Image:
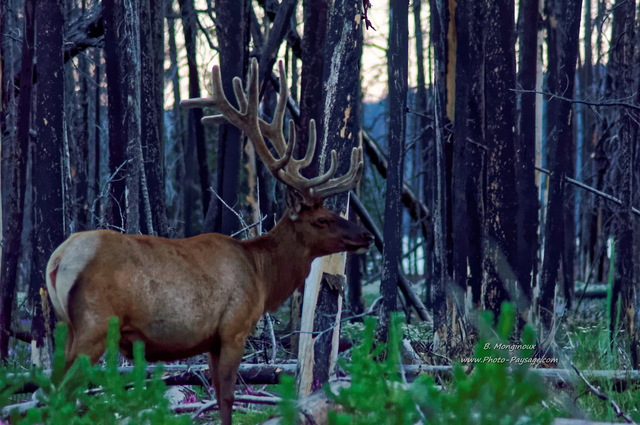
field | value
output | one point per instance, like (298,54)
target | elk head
(325,231)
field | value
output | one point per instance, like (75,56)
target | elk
(204,294)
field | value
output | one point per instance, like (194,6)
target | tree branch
(602,396)
(581,102)
(593,190)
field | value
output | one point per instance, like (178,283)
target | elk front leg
(224,367)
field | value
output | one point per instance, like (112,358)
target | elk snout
(361,242)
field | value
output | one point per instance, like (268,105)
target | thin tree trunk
(97,206)
(315,24)
(14,162)
(179,204)
(340,132)
(425,135)
(152,110)
(587,173)
(392,231)
(469,154)
(442,27)
(527,215)
(48,206)
(562,39)
(232,26)
(311,108)
(500,239)
(626,291)
(117,138)
(195,135)
(79,103)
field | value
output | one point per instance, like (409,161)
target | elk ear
(294,203)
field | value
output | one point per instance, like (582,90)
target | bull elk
(183,297)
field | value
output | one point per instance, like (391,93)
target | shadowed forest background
(501,148)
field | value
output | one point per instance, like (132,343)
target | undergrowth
(487,393)
(494,393)
(92,394)
(592,347)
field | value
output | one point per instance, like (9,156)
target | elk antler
(286,169)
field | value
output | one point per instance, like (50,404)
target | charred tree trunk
(14,161)
(527,192)
(340,132)
(397,55)
(178,203)
(587,173)
(152,111)
(421,122)
(232,26)
(122,45)
(500,239)
(468,153)
(424,129)
(442,31)
(311,107)
(626,292)
(117,138)
(48,206)
(130,69)
(80,94)
(315,24)
(195,151)
(563,20)
(98,150)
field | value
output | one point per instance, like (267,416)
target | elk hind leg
(214,368)
(86,340)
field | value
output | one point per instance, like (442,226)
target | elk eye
(322,221)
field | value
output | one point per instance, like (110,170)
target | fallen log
(314,409)
(266,374)
(253,374)
(563,421)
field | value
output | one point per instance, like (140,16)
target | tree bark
(626,291)
(397,56)
(340,132)
(469,152)
(500,238)
(311,84)
(195,151)
(130,69)
(311,107)
(152,110)
(442,30)
(424,108)
(14,163)
(563,25)
(47,178)
(232,26)
(117,138)
(588,224)
(178,203)
(527,215)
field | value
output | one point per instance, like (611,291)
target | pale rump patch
(64,266)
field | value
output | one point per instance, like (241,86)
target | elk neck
(282,259)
